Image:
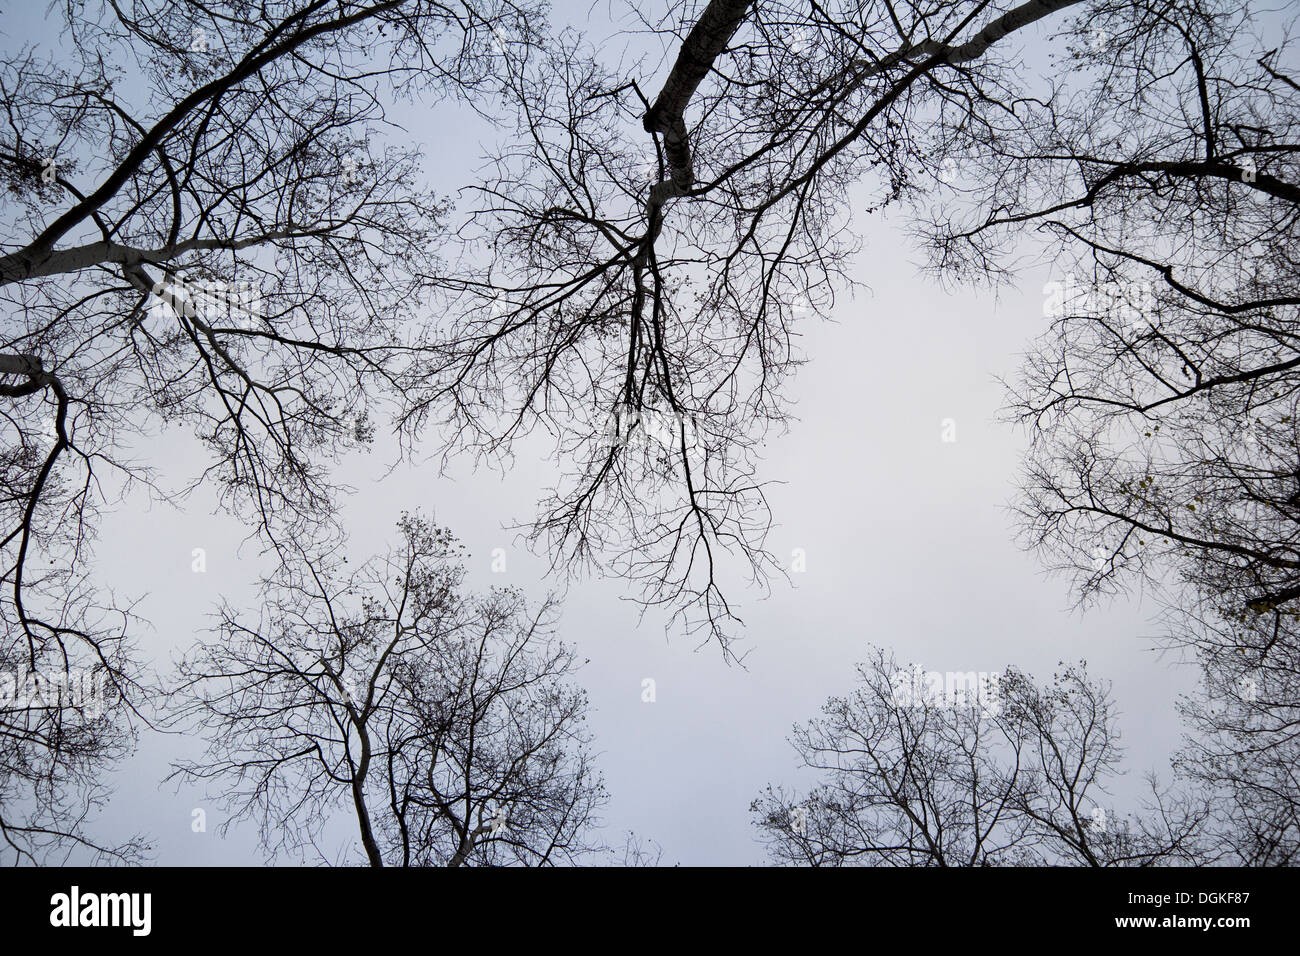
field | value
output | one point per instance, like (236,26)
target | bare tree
(61,723)
(650,256)
(996,772)
(638,851)
(1243,740)
(443,723)
(1161,406)
(1161,403)
(201,224)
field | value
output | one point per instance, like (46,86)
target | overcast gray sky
(908,540)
